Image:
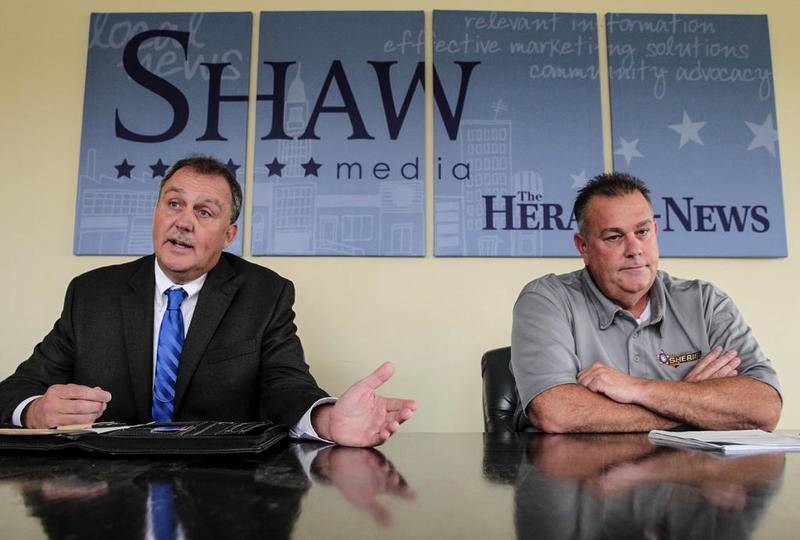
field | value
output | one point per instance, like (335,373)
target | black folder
(158,438)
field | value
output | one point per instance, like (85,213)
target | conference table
(417,485)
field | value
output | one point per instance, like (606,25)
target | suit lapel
(212,304)
(137,314)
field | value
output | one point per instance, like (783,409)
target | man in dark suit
(241,359)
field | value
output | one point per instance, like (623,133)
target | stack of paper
(728,442)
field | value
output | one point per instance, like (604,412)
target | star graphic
(231,166)
(689,131)
(628,150)
(159,168)
(124,168)
(764,135)
(578,180)
(275,168)
(311,167)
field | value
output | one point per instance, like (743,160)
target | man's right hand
(715,365)
(66,404)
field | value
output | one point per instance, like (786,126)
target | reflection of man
(240,499)
(190,333)
(620,486)
(621,346)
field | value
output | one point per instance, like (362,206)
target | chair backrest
(500,398)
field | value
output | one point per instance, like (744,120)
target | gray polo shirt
(563,324)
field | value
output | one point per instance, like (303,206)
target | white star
(690,131)
(764,135)
(578,180)
(628,150)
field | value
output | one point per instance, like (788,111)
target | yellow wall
(432,317)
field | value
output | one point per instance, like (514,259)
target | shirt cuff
(306,454)
(16,418)
(303,428)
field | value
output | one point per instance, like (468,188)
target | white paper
(729,442)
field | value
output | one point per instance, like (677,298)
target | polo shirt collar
(658,299)
(606,309)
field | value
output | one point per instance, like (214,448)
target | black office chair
(500,398)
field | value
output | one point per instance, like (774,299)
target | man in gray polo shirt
(622,346)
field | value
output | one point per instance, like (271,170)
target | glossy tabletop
(418,485)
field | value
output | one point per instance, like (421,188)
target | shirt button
(636,358)
(635,335)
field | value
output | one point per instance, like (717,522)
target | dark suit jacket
(241,360)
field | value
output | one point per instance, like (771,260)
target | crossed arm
(712,396)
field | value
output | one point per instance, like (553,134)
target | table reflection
(621,486)
(80,497)
(467,485)
(362,475)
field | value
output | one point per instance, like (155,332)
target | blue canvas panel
(517,130)
(693,114)
(159,87)
(340,135)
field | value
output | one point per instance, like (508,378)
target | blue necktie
(162,510)
(170,344)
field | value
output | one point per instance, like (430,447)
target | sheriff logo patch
(676,360)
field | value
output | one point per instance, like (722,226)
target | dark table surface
(418,485)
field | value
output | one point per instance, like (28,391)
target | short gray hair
(613,184)
(213,167)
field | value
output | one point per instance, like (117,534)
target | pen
(89,426)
